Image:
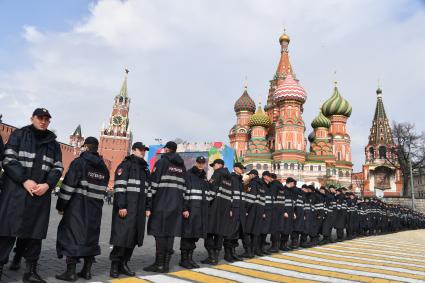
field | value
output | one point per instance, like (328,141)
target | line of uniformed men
(178,203)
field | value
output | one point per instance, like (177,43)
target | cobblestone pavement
(396,257)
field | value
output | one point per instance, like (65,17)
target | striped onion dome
(245,103)
(321,121)
(259,119)
(336,105)
(290,90)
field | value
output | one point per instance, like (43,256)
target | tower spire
(284,67)
(123,91)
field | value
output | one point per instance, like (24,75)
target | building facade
(274,138)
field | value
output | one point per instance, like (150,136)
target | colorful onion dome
(321,121)
(290,89)
(336,105)
(245,103)
(312,137)
(284,38)
(259,119)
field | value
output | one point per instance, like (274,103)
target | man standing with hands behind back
(32,168)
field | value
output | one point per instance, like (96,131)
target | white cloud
(188,60)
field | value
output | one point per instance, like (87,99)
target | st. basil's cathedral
(274,138)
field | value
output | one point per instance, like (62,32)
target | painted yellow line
(383,250)
(129,280)
(352,253)
(351,267)
(199,277)
(370,261)
(319,272)
(262,275)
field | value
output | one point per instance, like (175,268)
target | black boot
(192,262)
(124,269)
(324,241)
(184,261)
(215,255)
(158,265)
(167,259)
(31,275)
(209,258)
(69,275)
(274,248)
(234,255)
(114,271)
(16,262)
(257,250)
(86,270)
(228,254)
(264,249)
(295,244)
(1,270)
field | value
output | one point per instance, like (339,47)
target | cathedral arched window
(311,168)
(382,152)
(258,166)
(320,167)
(292,166)
(265,167)
(278,166)
(334,172)
(285,166)
(340,173)
(339,155)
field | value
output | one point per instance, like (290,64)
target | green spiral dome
(321,121)
(259,119)
(336,105)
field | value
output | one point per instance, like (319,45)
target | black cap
(201,160)
(273,175)
(91,140)
(140,146)
(266,173)
(40,112)
(253,171)
(239,165)
(290,180)
(171,145)
(311,187)
(217,161)
(304,186)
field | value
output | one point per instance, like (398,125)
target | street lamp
(411,183)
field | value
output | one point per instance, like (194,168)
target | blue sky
(69,56)
(46,15)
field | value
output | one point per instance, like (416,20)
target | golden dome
(284,37)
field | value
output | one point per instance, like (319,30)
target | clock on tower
(115,137)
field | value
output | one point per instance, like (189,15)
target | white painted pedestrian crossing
(378,259)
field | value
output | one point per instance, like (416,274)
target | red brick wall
(113,150)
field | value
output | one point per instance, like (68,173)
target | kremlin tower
(274,139)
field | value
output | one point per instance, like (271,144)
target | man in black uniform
(32,167)
(220,213)
(166,206)
(80,202)
(131,189)
(196,225)
(289,214)
(278,212)
(341,211)
(238,213)
(268,212)
(255,201)
(330,209)
(298,197)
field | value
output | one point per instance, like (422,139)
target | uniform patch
(119,171)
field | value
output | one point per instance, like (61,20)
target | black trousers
(213,242)
(121,254)
(164,244)
(251,241)
(340,233)
(29,249)
(188,244)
